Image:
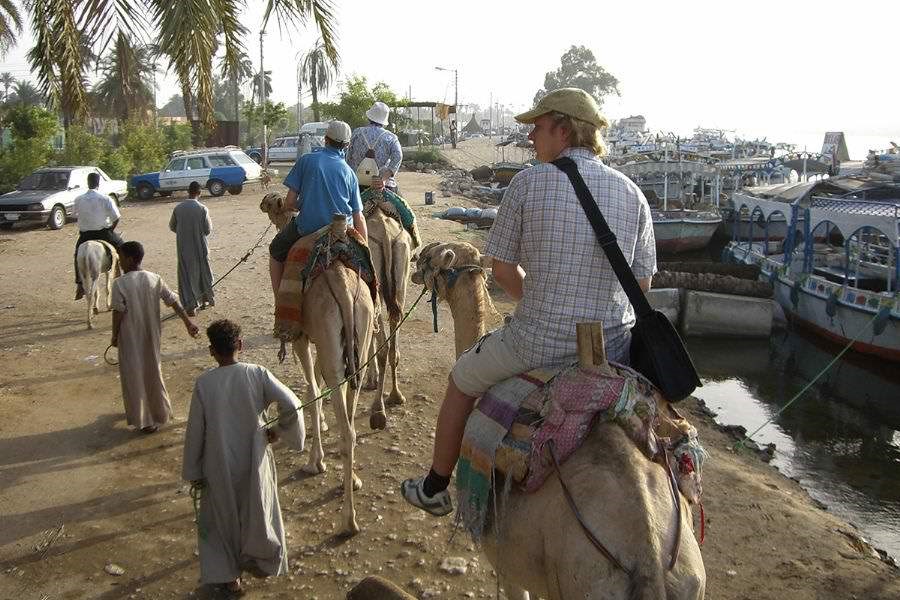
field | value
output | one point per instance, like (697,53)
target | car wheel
(235,190)
(57,217)
(145,191)
(256,156)
(216,187)
(165,194)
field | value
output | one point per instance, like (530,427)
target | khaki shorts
(491,360)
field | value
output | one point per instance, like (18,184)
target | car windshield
(47,180)
(242,158)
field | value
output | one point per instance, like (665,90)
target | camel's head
(438,258)
(272,203)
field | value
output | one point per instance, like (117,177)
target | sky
(787,70)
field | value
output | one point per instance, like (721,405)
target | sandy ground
(79,490)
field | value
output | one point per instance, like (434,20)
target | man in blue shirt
(320,185)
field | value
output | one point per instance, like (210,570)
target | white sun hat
(338,131)
(378,113)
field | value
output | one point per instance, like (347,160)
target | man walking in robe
(97,219)
(136,330)
(191,225)
(227,456)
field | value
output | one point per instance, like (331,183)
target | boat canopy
(660,168)
(852,216)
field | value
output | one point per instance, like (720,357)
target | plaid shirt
(541,226)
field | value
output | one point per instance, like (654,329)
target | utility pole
(456,104)
(262,96)
(491,117)
(299,106)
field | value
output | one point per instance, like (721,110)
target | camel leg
(316,462)
(348,441)
(377,412)
(372,375)
(514,592)
(396,397)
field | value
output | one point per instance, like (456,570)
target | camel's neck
(468,305)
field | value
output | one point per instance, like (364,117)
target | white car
(289,148)
(49,193)
(216,169)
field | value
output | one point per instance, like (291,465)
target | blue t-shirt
(325,185)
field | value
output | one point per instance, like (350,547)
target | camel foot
(395,398)
(350,530)
(323,426)
(90,325)
(378,420)
(314,467)
(357,483)
(96,311)
(370,384)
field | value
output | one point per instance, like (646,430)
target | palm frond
(105,19)
(233,31)
(298,12)
(10,25)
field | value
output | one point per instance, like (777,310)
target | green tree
(144,146)
(176,136)
(579,69)
(356,98)
(32,129)
(125,89)
(275,114)
(118,164)
(10,25)
(187,32)
(173,108)
(318,70)
(7,81)
(26,94)
(82,148)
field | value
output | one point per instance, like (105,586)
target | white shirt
(95,211)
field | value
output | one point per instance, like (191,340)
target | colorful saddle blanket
(308,258)
(393,206)
(511,427)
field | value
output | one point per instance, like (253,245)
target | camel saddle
(308,258)
(517,421)
(393,206)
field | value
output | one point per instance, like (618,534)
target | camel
(390,245)
(93,261)
(342,333)
(625,499)
(273,205)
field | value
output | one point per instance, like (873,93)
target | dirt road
(79,490)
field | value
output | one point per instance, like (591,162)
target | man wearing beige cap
(546,256)
(320,184)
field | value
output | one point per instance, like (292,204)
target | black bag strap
(606,238)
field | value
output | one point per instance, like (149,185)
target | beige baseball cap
(573,102)
(338,131)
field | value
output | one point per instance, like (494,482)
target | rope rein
(327,391)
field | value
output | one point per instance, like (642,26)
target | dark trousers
(393,188)
(107,235)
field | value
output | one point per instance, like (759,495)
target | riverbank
(79,491)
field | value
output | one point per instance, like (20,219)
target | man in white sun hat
(319,185)
(547,258)
(375,152)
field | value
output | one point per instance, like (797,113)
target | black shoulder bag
(657,351)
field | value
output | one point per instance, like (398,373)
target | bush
(176,136)
(118,164)
(425,155)
(82,148)
(32,128)
(144,147)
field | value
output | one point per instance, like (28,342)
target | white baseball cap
(378,113)
(338,131)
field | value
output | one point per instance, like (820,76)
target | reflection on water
(841,439)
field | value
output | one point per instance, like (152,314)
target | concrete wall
(721,315)
(667,301)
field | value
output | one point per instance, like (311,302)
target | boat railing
(856,207)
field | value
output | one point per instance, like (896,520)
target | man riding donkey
(546,257)
(97,220)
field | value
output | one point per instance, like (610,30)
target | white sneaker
(438,505)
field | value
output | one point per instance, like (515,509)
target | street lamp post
(453,130)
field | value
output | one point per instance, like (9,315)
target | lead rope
(196,495)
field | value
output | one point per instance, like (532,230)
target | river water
(841,439)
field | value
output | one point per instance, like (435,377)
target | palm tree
(125,89)
(267,85)
(10,25)
(24,92)
(318,69)
(7,81)
(186,32)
